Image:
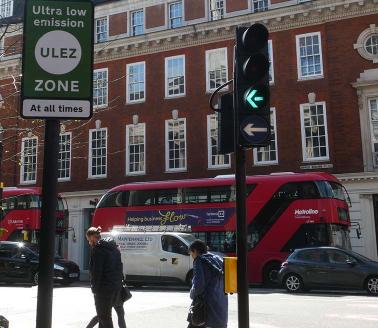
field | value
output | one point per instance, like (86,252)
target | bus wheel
(293,283)
(270,274)
(371,285)
(189,278)
(35,278)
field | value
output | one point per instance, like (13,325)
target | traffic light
(251,85)
(225,142)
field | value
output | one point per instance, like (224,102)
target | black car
(325,267)
(19,263)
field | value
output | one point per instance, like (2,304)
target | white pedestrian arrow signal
(253,99)
(250,130)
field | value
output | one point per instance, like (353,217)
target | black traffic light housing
(251,86)
(226,128)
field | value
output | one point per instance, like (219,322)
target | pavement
(166,307)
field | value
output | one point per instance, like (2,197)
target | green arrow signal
(252,98)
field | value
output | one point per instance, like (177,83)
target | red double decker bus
(20,216)
(284,211)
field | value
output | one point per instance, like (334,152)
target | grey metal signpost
(56,84)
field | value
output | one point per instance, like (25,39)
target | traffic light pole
(241,239)
(241,226)
(48,225)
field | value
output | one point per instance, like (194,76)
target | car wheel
(371,285)
(270,274)
(35,278)
(293,283)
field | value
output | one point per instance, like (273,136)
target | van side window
(173,245)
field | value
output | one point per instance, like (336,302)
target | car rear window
(310,256)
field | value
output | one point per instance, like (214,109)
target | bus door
(174,259)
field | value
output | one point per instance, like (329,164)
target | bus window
(337,190)
(298,190)
(195,195)
(35,201)
(308,235)
(113,199)
(219,241)
(23,202)
(142,197)
(216,194)
(220,194)
(167,196)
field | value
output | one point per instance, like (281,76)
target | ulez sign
(57,59)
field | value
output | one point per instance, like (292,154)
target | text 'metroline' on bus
(284,212)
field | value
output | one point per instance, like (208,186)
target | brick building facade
(156,64)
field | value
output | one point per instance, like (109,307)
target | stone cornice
(363,176)
(285,18)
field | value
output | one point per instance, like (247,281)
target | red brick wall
(236,5)
(194,9)
(118,24)
(12,45)
(155,16)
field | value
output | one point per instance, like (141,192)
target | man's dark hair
(199,246)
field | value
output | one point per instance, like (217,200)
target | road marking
(354,317)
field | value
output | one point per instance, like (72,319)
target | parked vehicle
(19,263)
(325,267)
(154,257)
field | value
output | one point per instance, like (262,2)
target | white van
(154,257)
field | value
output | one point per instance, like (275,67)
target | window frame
(169,4)
(210,155)
(271,60)
(105,69)
(303,135)
(255,149)
(132,33)
(99,176)
(373,139)
(222,16)
(128,172)
(299,67)
(207,71)
(3,4)
(70,157)
(22,167)
(180,169)
(166,60)
(96,40)
(141,100)
(259,11)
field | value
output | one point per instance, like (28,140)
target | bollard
(230,275)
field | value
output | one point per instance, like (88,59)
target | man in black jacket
(106,274)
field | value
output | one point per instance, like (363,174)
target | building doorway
(88,215)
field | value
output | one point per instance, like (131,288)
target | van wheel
(270,274)
(189,278)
